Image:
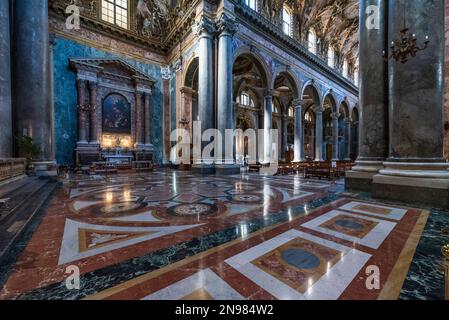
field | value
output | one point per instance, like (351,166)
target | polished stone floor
(174,235)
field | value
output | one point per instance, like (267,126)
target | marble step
(15,198)
(9,186)
(16,223)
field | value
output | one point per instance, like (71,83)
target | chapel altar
(114,112)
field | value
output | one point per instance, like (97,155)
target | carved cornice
(90,16)
(94,65)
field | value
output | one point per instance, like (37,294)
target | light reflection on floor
(175,235)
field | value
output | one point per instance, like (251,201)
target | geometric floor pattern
(175,235)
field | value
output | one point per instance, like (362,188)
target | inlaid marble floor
(174,235)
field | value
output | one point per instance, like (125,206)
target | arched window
(116,12)
(356,73)
(291,112)
(345,68)
(275,109)
(287,21)
(308,117)
(311,39)
(252,4)
(246,100)
(331,57)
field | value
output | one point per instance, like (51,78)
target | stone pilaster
(319,134)
(31,86)
(373,125)
(335,150)
(284,138)
(147,121)
(416,170)
(140,126)
(299,131)
(94,117)
(83,109)
(6,137)
(348,139)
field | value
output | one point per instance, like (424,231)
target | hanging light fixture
(406,47)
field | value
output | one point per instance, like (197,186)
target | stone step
(14,226)
(9,186)
(21,194)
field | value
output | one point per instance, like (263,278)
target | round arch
(247,52)
(191,74)
(311,85)
(290,77)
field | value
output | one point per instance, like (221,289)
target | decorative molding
(226,25)
(204,27)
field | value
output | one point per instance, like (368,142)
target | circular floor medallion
(193,209)
(247,198)
(301,259)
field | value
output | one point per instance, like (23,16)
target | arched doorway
(330,107)
(250,84)
(344,131)
(285,91)
(311,101)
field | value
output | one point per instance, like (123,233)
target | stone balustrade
(10,168)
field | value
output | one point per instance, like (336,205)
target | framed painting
(116,114)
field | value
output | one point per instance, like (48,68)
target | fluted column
(267,125)
(348,139)
(204,30)
(284,138)
(319,134)
(335,151)
(299,132)
(30,55)
(93,86)
(225,116)
(140,128)
(373,139)
(147,121)
(83,109)
(6,136)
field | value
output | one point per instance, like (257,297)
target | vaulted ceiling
(334,21)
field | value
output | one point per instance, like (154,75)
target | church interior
(224,150)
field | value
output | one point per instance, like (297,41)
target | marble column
(147,121)
(30,55)
(267,125)
(348,139)
(83,109)
(319,134)
(205,29)
(284,138)
(225,114)
(6,137)
(335,151)
(416,170)
(299,132)
(140,126)
(94,119)
(373,139)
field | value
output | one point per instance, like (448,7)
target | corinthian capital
(204,27)
(226,25)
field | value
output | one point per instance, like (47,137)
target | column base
(417,183)
(227,169)
(203,169)
(360,178)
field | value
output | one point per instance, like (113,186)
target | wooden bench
(143,166)
(321,170)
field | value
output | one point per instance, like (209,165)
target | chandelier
(405,48)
